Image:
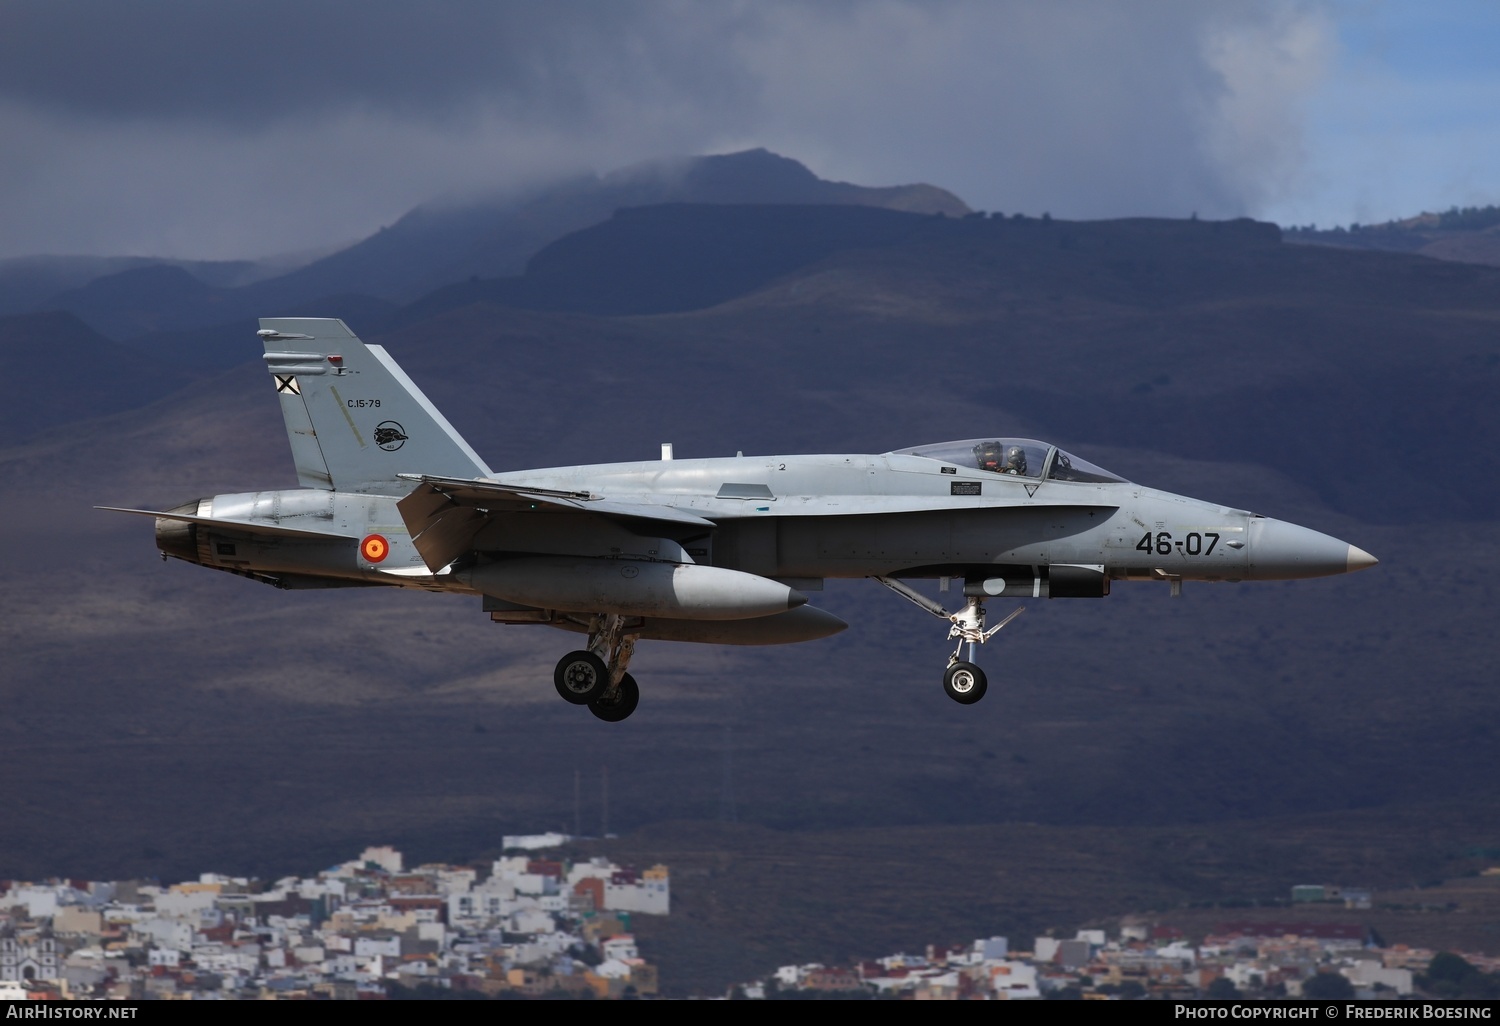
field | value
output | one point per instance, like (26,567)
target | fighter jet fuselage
(888,515)
(720,550)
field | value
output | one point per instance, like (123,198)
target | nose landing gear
(964,681)
(585,677)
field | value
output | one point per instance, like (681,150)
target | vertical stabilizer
(354,419)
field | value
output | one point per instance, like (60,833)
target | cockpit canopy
(1014,457)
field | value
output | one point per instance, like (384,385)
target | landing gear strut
(964,681)
(596,676)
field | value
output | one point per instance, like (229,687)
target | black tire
(623,705)
(965,683)
(580,677)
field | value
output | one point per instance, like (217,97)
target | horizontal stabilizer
(245,526)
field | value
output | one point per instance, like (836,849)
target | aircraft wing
(443,514)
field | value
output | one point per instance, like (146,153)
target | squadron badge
(389,435)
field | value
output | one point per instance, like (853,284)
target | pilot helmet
(1015,459)
(989,456)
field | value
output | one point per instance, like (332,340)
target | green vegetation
(1453,976)
(1328,987)
(1223,989)
(1454,219)
(1469,219)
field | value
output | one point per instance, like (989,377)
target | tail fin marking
(355,420)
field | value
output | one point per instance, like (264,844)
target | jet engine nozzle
(180,537)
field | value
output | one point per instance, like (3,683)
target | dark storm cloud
(241,128)
(248,64)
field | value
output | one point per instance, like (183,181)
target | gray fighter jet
(719,551)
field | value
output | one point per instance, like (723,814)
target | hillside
(1470,236)
(453,240)
(197,719)
(746,899)
(61,371)
(179,308)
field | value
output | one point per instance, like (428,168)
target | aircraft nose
(1281,551)
(1359,559)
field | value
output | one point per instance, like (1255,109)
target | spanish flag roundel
(374,548)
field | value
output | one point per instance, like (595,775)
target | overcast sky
(230,129)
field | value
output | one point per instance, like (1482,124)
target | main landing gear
(964,681)
(586,677)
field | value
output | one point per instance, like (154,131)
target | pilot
(1015,461)
(989,456)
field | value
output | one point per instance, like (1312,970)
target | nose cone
(1359,559)
(1283,551)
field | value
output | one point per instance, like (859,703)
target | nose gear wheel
(963,681)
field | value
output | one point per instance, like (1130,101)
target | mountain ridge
(438,243)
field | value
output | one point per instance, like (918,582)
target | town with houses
(368,928)
(1266,960)
(537,927)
